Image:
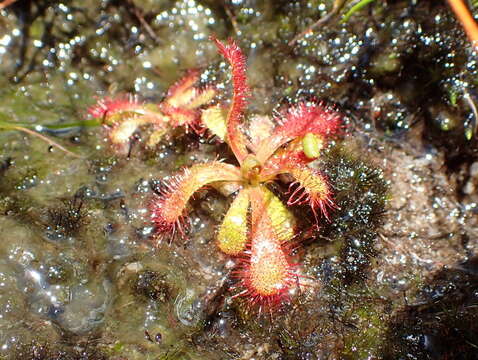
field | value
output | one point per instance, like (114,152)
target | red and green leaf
(311,187)
(236,139)
(167,208)
(297,122)
(290,155)
(108,107)
(265,272)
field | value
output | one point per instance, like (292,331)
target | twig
(6,3)
(474,121)
(47,140)
(466,19)
(338,4)
(146,26)
(233,20)
(144,23)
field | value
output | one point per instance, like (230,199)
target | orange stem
(467,21)
(6,3)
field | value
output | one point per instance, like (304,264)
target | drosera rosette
(125,115)
(264,150)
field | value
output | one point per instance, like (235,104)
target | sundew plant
(258,229)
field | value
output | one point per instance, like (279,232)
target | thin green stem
(360,5)
(9,126)
(83,123)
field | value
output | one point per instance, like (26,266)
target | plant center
(250,170)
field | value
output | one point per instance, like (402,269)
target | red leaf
(298,121)
(108,106)
(236,139)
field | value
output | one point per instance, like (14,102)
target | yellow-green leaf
(215,119)
(312,145)
(232,236)
(282,219)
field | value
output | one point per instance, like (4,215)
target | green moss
(368,334)
(385,63)
(360,194)
(118,347)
